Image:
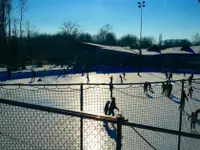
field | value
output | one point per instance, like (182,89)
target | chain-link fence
(28,126)
(153,108)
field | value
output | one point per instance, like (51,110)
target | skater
(193,120)
(124,75)
(113,107)
(192,76)
(138,70)
(166,75)
(82,72)
(190,79)
(170,76)
(88,78)
(33,76)
(149,86)
(106,108)
(163,88)
(145,87)
(121,79)
(45,72)
(169,89)
(111,86)
(64,72)
(190,91)
(111,79)
(182,102)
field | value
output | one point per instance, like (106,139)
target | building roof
(154,50)
(116,48)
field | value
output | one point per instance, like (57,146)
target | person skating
(170,76)
(145,87)
(64,72)
(124,75)
(88,78)
(193,120)
(120,76)
(106,108)
(182,102)
(33,76)
(166,75)
(113,107)
(149,86)
(190,79)
(190,92)
(163,88)
(111,86)
(45,72)
(169,89)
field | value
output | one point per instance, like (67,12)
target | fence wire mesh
(136,139)
(153,109)
(28,129)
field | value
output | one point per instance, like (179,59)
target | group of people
(122,78)
(110,106)
(169,76)
(34,75)
(167,88)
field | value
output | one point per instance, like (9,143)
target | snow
(174,50)
(154,109)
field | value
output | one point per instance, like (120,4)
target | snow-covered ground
(33,67)
(153,109)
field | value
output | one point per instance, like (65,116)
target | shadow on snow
(174,99)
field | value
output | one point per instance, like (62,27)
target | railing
(153,115)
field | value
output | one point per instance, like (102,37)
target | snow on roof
(174,50)
(196,49)
(116,48)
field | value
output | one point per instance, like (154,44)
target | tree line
(21,43)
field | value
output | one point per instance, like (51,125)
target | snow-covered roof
(174,50)
(116,48)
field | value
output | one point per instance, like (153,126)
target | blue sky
(172,18)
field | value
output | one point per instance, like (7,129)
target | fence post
(81,109)
(120,119)
(180,119)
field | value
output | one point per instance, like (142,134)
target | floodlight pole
(141,5)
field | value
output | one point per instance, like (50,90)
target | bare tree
(103,32)
(14,29)
(9,9)
(23,8)
(3,4)
(196,39)
(160,39)
(71,28)
(30,30)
